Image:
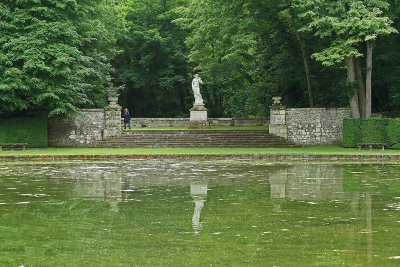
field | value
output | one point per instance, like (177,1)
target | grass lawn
(326,150)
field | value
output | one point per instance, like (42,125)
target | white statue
(196,89)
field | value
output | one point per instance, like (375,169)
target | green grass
(315,150)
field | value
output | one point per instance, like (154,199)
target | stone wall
(158,122)
(91,125)
(315,126)
(307,126)
(81,129)
(169,122)
(86,127)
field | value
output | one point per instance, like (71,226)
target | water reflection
(272,202)
(307,182)
(99,184)
(113,186)
(198,191)
(320,182)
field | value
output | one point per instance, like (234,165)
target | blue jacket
(127,117)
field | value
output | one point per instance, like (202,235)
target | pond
(199,213)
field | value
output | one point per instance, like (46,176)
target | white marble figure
(198,100)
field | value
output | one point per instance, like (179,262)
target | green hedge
(372,130)
(32,131)
(394,133)
(351,132)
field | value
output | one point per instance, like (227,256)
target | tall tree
(222,46)
(53,55)
(355,25)
(153,65)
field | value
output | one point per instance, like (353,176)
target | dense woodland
(57,56)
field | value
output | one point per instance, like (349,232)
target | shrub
(371,130)
(351,132)
(374,130)
(394,133)
(32,131)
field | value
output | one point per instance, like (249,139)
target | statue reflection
(198,191)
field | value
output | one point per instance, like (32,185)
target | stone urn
(277,99)
(113,100)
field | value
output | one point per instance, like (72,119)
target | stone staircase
(195,138)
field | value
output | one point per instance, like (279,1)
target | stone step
(195,138)
(193,146)
(207,139)
(261,138)
(193,132)
(188,144)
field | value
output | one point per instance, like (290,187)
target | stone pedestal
(112,119)
(199,117)
(277,124)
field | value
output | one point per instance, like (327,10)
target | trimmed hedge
(374,130)
(32,131)
(394,133)
(371,130)
(351,132)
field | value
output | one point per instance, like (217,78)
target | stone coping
(282,158)
(91,110)
(318,109)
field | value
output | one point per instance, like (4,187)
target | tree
(222,44)
(352,26)
(153,64)
(53,55)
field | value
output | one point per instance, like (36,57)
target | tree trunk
(351,77)
(306,69)
(302,44)
(361,87)
(368,80)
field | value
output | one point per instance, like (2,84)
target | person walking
(127,118)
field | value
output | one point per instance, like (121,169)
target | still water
(199,213)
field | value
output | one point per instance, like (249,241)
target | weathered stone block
(199,125)
(198,115)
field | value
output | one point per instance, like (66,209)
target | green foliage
(351,132)
(32,131)
(352,27)
(223,42)
(387,71)
(53,55)
(61,55)
(374,130)
(394,133)
(351,22)
(153,65)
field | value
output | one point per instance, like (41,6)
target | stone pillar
(198,117)
(112,119)
(277,124)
